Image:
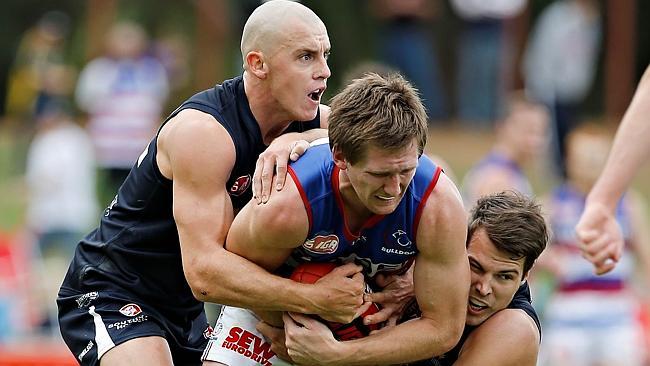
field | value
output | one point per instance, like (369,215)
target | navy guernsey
(385,243)
(135,250)
(521,300)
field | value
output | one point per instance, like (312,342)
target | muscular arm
(629,151)
(508,338)
(597,229)
(198,154)
(441,280)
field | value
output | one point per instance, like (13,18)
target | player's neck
(271,119)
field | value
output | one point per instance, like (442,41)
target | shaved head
(268,24)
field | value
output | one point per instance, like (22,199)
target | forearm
(407,342)
(629,151)
(228,279)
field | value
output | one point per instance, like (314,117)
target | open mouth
(316,94)
(476,306)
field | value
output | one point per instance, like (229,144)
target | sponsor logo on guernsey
(208,332)
(249,345)
(85,299)
(401,238)
(86,350)
(130,309)
(398,243)
(125,323)
(322,244)
(241,185)
(397,251)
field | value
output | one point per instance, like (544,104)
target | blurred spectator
(62,203)
(124,93)
(590,319)
(519,139)
(174,54)
(406,44)
(560,62)
(39,71)
(484,53)
(360,69)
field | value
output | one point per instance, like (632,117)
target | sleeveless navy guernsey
(136,248)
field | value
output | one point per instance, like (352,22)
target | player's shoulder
(509,337)
(515,323)
(193,139)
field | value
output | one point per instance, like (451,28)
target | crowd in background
(87,125)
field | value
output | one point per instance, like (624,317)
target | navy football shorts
(94,322)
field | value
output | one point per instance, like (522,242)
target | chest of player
(388,246)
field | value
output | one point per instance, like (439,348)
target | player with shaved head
(134,292)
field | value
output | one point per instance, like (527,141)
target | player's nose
(392,186)
(483,286)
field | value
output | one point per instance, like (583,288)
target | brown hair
(513,222)
(384,111)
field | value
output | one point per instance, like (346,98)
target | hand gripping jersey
(135,251)
(384,244)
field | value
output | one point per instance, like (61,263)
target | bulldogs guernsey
(135,251)
(384,244)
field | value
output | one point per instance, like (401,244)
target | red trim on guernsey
(349,235)
(303,195)
(425,197)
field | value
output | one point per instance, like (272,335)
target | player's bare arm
(266,234)
(441,279)
(200,168)
(289,146)
(508,332)
(598,231)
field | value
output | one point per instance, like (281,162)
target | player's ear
(339,158)
(255,64)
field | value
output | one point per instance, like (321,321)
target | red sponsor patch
(241,185)
(249,345)
(322,244)
(131,309)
